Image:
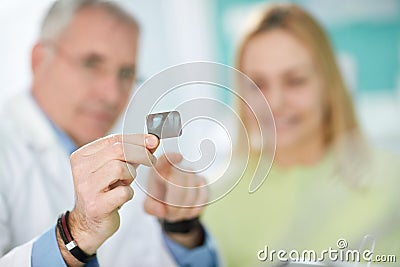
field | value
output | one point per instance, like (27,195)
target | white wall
(19,24)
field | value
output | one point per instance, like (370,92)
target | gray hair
(62,12)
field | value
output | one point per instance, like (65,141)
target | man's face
(83,83)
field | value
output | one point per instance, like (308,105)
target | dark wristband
(183,227)
(70,244)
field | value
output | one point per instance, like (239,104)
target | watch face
(164,125)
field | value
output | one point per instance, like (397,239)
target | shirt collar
(66,141)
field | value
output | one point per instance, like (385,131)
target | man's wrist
(69,241)
(81,234)
(67,256)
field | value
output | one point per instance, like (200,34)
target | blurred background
(365,35)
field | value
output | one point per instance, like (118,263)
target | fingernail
(151,141)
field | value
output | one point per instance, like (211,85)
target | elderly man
(83,71)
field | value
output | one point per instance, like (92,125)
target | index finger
(147,140)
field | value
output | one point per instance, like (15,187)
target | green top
(306,208)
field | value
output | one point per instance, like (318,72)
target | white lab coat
(36,186)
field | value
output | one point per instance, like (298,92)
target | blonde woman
(325,185)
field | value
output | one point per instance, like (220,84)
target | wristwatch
(183,227)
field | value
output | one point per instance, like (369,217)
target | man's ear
(38,57)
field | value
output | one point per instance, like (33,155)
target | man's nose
(110,89)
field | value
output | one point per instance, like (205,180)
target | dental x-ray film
(164,125)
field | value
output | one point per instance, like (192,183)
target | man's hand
(103,171)
(176,195)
